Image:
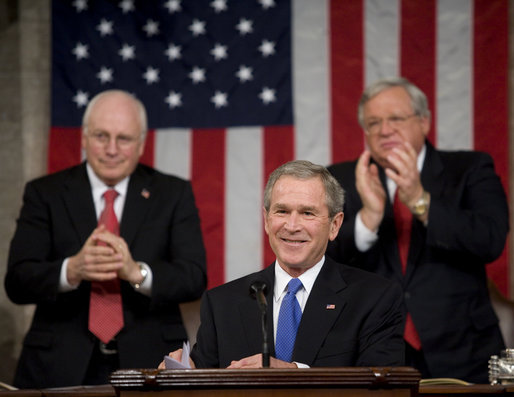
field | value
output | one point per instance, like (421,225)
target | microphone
(258,290)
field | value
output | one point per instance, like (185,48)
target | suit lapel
(323,308)
(139,200)
(78,200)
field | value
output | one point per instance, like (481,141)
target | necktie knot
(294,286)
(110,195)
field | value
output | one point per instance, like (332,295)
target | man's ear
(335,225)
(265,216)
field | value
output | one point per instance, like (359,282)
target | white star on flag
(173,6)
(151,75)
(174,99)
(219,52)
(127,6)
(105,27)
(244,73)
(267,48)
(219,5)
(81,99)
(173,52)
(197,27)
(267,3)
(244,26)
(197,75)
(219,99)
(81,51)
(105,75)
(80,5)
(267,95)
(151,28)
(127,52)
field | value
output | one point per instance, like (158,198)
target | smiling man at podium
(323,313)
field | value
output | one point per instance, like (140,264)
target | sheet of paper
(171,363)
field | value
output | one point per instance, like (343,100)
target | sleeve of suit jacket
(469,214)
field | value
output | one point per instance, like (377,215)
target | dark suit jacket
(445,286)
(58,215)
(363,329)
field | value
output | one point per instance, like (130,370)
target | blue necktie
(288,321)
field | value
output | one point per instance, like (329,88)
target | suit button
(407,295)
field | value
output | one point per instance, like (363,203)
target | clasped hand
(104,256)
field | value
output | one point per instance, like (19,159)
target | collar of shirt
(307,278)
(391,186)
(98,188)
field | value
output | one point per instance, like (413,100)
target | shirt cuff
(364,238)
(64,285)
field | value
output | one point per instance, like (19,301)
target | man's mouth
(294,241)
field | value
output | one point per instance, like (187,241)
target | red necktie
(403,222)
(105,308)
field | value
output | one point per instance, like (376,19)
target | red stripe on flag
(278,149)
(490,108)
(347,77)
(64,148)
(418,50)
(148,157)
(208,180)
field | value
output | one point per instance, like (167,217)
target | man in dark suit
(350,317)
(458,223)
(58,253)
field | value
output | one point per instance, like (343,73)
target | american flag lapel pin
(330,306)
(145,193)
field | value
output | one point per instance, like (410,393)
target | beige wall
(24,110)
(24,125)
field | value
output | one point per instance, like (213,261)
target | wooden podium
(350,381)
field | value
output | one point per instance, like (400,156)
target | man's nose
(112,145)
(293,221)
(386,127)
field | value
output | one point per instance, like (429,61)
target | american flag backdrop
(234,88)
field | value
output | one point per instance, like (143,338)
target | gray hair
(139,105)
(303,169)
(419,101)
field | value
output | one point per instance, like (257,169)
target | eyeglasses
(373,126)
(122,141)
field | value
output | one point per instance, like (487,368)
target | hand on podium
(178,359)
(255,361)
